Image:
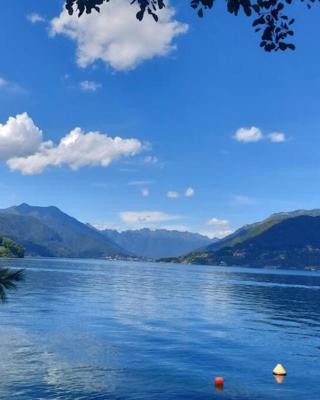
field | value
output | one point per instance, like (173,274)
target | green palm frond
(8,280)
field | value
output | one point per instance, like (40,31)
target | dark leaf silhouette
(8,280)
(269,16)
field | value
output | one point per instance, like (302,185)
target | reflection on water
(83,329)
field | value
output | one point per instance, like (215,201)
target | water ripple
(90,329)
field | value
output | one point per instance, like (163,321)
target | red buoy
(219,383)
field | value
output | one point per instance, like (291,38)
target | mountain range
(49,232)
(157,243)
(284,240)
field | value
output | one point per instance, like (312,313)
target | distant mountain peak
(25,207)
(157,243)
(49,231)
(53,232)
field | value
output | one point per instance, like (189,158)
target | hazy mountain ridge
(47,231)
(290,240)
(157,243)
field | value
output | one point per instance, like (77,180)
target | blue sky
(178,96)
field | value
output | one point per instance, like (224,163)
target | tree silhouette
(8,279)
(269,16)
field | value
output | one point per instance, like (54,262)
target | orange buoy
(219,383)
(279,378)
(279,370)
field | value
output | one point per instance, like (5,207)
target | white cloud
(89,86)
(216,233)
(11,87)
(150,160)
(189,192)
(219,228)
(218,222)
(277,137)
(23,148)
(247,135)
(101,226)
(116,37)
(253,134)
(35,18)
(146,217)
(172,194)
(3,82)
(77,149)
(145,192)
(19,137)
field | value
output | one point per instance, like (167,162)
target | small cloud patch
(219,228)
(277,137)
(35,18)
(189,192)
(146,217)
(254,134)
(89,86)
(145,192)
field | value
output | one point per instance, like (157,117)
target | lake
(91,329)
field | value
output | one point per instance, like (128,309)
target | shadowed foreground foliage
(8,280)
(270,17)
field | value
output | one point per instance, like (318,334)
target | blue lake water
(87,329)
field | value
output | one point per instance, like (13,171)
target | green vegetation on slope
(9,248)
(48,232)
(250,231)
(289,240)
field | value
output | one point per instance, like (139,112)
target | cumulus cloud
(19,137)
(247,135)
(253,134)
(146,217)
(23,148)
(219,228)
(89,86)
(77,149)
(116,37)
(189,192)
(218,222)
(34,18)
(172,194)
(277,137)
